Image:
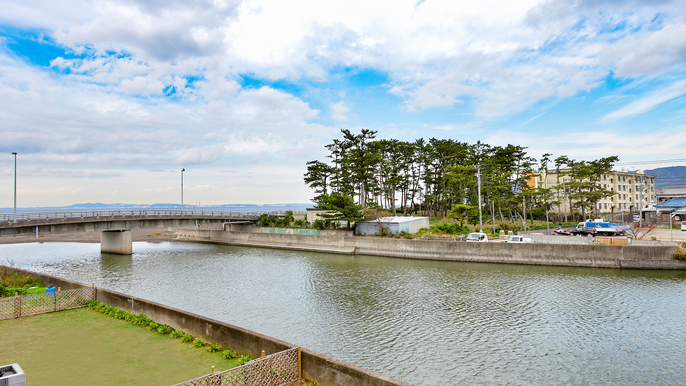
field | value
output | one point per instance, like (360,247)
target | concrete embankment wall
(602,256)
(325,370)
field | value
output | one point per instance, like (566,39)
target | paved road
(664,234)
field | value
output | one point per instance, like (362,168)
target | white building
(393,225)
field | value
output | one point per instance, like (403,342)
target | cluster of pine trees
(439,177)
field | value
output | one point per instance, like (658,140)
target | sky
(107,100)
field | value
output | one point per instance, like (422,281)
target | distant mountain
(298,208)
(669,176)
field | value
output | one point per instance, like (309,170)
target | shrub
(142,320)
(152,326)
(176,334)
(187,338)
(243,359)
(164,329)
(229,354)
(681,253)
(214,347)
(318,224)
(199,343)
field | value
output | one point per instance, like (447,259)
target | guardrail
(89,214)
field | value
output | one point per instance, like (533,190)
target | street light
(478,176)
(182,170)
(15,186)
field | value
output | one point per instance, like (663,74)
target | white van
(477,237)
(683,225)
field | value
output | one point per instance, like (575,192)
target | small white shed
(394,225)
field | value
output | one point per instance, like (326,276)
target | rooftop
(672,190)
(677,202)
(397,219)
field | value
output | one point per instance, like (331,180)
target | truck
(603,228)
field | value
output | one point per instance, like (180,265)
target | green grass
(83,347)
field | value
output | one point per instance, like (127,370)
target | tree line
(440,177)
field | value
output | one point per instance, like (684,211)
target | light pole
(182,170)
(15,186)
(478,176)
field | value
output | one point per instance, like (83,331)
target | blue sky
(107,101)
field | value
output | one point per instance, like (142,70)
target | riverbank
(81,347)
(323,369)
(143,234)
(592,256)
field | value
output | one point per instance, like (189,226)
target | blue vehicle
(603,228)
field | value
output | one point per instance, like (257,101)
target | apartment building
(634,191)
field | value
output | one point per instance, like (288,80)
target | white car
(519,239)
(477,237)
(683,225)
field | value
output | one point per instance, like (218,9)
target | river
(423,322)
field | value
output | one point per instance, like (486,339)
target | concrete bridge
(98,220)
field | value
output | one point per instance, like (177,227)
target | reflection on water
(425,322)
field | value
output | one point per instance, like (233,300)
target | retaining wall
(602,256)
(325,370)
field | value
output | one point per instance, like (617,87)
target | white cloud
(105,107)
(339,111)
(647,102)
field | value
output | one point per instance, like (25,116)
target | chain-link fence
(282,368)
(18,306)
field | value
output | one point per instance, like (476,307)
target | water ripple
(425,322)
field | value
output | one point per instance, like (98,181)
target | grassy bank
(83,347)
(12,283)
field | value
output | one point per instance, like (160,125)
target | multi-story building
(634,191)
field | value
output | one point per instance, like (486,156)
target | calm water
(424,322)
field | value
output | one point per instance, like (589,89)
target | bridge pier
(119,241)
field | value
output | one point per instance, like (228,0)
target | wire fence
(282,368)
(18,306)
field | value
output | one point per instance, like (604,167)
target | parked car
(583,231)
(683,225)
(477,237)
(519,239)
(563,231)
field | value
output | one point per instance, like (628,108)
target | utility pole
(15,186)
(182,170)
(640,206)
(478,176)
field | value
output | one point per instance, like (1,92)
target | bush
(13,279)
(229,354)
(214,347)
(199,343)
(153,326)
(164,329)
(243,359)
(187,338)
(176,334)
(681,253)
(318,224)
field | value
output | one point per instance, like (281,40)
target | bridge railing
(171,213)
